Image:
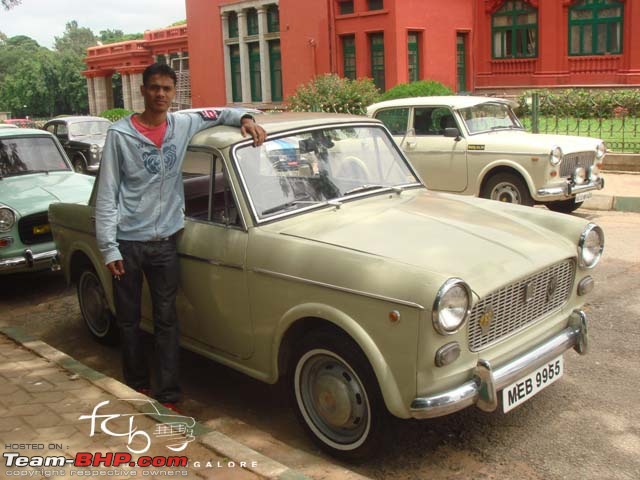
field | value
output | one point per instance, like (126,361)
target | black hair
(158,69)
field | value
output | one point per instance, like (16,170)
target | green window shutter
(252,21)
(514,31)
(255,71)
(275,66)
(413,61)
(273,19)
(376,45)
(349,56)
(346,7)
(595,27)
(232,20)
(236,73)
(375,4)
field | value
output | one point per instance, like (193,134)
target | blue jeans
(158,262)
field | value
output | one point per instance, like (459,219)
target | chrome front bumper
(569,190)
(483,389)
(30,261)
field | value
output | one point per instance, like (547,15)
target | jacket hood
(444,234)
(28,194)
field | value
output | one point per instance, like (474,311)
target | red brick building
(258,51)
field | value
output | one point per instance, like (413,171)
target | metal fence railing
(621,134)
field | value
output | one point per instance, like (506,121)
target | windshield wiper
(286,205)
(363,188)
(26,172)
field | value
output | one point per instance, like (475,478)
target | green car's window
(21,156)
(309,169)
(395,119)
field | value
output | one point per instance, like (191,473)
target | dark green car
(34,172)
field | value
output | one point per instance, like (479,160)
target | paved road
(585,426)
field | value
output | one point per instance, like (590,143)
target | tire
(95,309)
(79,166)
(507,187)
(564,206)
(337,397)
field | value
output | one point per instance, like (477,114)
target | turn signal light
(5,241)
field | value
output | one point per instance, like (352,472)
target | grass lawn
(620,134)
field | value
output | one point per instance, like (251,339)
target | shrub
(582,103)
(115,114)
(421,88)
(331,93)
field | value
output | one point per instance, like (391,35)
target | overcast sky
(43,20)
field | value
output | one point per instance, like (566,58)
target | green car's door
(212,301)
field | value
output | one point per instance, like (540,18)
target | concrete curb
(611,202)
(206,436)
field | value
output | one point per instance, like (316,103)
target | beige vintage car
(320,260)
(477,146)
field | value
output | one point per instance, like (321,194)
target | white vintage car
(477,146)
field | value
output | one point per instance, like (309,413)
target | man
(139,210)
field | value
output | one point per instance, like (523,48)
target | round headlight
(590,246)
(601,149)
(7,219)
(555,156)
(579,176)
(94,148)
(451,306)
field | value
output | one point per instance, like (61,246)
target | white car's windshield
(81,129)
(22,156)
(315,167)
(489,116)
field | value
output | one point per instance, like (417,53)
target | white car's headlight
(555,156)
(7,219)
(590,246)
(94,149)
(451,306)
(601,149)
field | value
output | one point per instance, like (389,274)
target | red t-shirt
(155,134)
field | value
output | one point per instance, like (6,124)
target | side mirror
(452,132)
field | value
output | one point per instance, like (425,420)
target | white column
(227,60)
(91,93)
(101,86)
(126,90)
(137,102)
(244,58)
(265,72)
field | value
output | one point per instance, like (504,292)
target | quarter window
(595,27)
(514,29)
(395,119)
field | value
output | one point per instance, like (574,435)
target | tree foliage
(114,36)
(421,88)
(75,40)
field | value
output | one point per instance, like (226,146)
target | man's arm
(231,117)
(107,203)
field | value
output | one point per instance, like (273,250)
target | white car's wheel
(509,188)
(337,396)
(95,309)
(564,206)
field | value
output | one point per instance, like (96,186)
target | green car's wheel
(337,396)
(95,309)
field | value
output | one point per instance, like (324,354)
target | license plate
(581,197)
(522,390)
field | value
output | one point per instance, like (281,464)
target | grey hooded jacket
(140,191)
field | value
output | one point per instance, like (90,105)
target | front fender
(384,375)
(503,164)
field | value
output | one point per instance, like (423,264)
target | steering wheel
(353,168)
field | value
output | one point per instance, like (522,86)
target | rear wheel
(95,308)
(337,396)
(79,165)
(509,188)
(564,206)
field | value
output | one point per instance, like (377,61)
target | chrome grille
(512,311)
(573,160)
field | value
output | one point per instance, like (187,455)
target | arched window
(595,27)
(514,28)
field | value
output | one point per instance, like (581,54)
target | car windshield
(489,116)
(314,168)
(81,129)
(21,156)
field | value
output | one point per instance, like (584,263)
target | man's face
(158,93)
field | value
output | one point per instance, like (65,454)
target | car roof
(273,123)
(453,101)
(23,132)
(76,119)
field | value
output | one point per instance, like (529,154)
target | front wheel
(79,166)
(564,206)
(95,309)
(337,396)
(509,188)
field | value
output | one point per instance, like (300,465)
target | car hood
(91,140)
(33,193)
(474,239)
(520,141)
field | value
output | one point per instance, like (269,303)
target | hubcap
(94,305)
(506,192)
(334,400)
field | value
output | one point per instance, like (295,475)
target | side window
(206,197)
(395,119)
(62,130)
(51,128)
